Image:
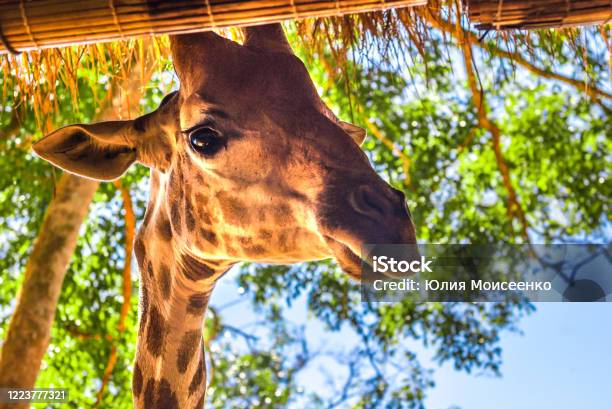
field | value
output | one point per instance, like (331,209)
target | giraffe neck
(170,369)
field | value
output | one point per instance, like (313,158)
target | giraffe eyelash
(204,125)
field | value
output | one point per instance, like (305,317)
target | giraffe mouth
(360,266)
(350,261)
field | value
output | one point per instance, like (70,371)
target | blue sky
(562,360)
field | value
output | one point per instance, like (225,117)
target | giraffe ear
(105,150)
(100,151)
(356,132)
(270,37)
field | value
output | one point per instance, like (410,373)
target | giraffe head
(247,161)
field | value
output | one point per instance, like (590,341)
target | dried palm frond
(30,79)
(46,24)
(398,35)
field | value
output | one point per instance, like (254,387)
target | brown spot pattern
(165,280)
(201,200)
(139,250)
(282,214)
(176,218)
(144,305)
(174,181)
(245,241)
(256,250)
(166,398)
(159,395)
(205,217)
(150,269)
(149,394)
(189,344)
(189,217)
(195,270)
(265,234)
(233,210)
(209,236)
(261,214)
(155,332)
(137,381)
(282,240)
(197,303)
(190,221)
(164,229)
(198,379)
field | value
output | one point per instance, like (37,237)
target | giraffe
(247,164)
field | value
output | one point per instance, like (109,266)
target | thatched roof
(43,24)
(38,25)
(401,36)
(529,14)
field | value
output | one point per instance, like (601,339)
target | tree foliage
(426,139)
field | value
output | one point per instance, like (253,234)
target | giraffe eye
(206,141)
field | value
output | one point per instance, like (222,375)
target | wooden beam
(27,25)
(533,14)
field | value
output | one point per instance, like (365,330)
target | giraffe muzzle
(378,206)
(374,213)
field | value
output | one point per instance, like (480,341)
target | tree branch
(130,227)
(479,101)
(405,160)
(75,332)
(469,37)
(130,230)
(29,330)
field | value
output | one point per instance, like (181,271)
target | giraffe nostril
(368,202)
(403,205)
(400,195)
